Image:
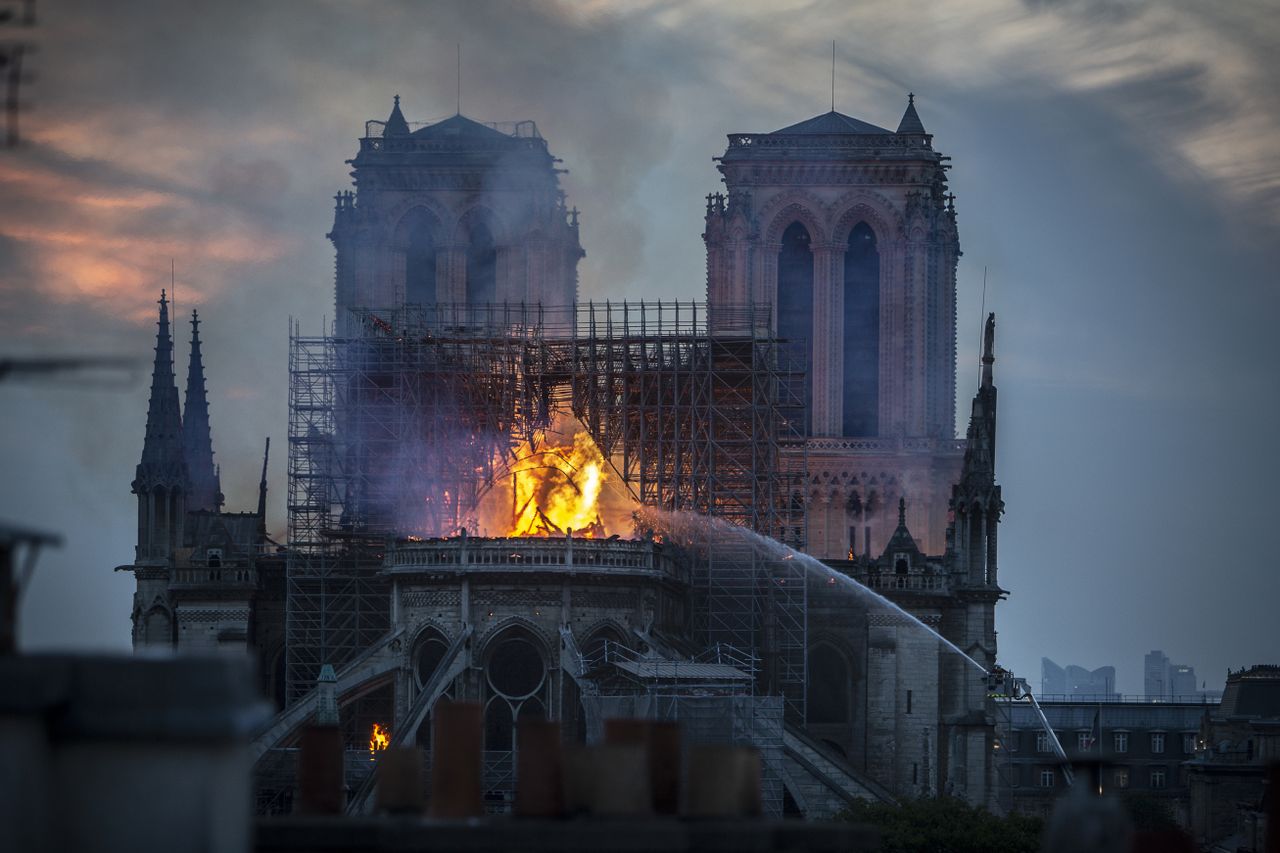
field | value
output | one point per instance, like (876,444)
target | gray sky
(1117,164)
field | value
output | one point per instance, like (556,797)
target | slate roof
(911,119)
(459,127)
(831,123)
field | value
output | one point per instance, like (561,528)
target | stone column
(881,699)
(764,284)
(451,274)
(825,371)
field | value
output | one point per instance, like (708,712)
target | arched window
(977,543)
(795,305)
(427,655)
(517,676)
(157,628)
(482,265)
(827,700)
(861,333)
(420,264)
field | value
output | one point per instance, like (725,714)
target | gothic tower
(454,212)
(161,484)
(197,443)
(161,481)
(846,231)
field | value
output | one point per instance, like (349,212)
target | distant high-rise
(1182,680)
(1155,671)
(1053,678)
(1167,680)
(1076,681)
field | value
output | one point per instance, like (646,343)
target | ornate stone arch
(394,216)
(399,237)
(793,206)
(876,210)
(602,625)
(153,629)
(427,632)
(429,625)
(499,228)
(495,635)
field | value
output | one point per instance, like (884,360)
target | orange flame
(379,741)
(556,490)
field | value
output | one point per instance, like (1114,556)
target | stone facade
(1143,747)
(847,232)
(1236,743)
(208,581)
(828,182)
(455,212)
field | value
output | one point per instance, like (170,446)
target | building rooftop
(832,122)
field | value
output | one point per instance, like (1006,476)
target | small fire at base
(378,741)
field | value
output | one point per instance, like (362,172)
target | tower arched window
(827,700)
(482,265)
(795,305)
(861,333)
(420,264)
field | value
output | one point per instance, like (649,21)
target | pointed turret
(980,454)
(204,490)
(976,501)
(161,478)
(262,490)
(162,449)
(911,119)
(396,125)
(901,542)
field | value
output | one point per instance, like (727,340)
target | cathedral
(832,249)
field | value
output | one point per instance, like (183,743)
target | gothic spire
(162,463)
(197,444)
(980,452)
(262,490)
(396,125)
(988,350)
(911,119)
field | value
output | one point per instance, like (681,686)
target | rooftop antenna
(459,78)
(833,75)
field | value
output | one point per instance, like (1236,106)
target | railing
(1132,698)
(214,576)
(888,445)
(526,129)
(607,556)
(825,140)
(916,583)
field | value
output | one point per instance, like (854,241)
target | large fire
(556,490)
(378,741)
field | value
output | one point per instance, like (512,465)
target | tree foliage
(1150,814)
(947,825)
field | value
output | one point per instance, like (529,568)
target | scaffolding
(402,425)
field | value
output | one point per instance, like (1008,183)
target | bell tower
(454,212)
(847,231)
